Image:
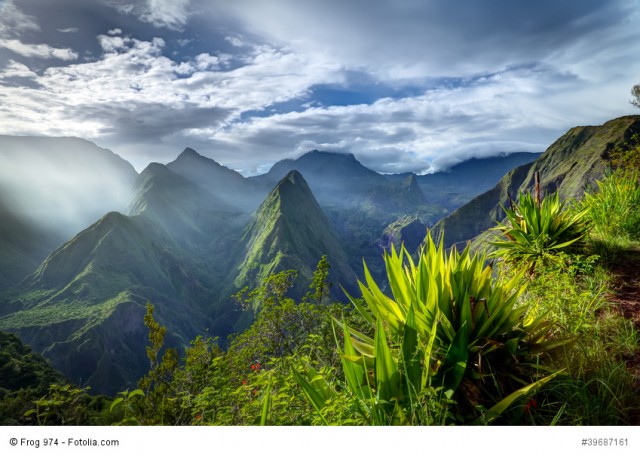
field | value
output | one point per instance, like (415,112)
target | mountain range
(186,236)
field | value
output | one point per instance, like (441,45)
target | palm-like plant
(538,230)
(449,329)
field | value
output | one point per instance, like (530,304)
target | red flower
(198,417)
(244,381)
(531,404)
(254,392)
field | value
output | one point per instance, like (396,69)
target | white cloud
(135,93)
(13,21)
(415,39)
(69,30)
(38,50)
(516,110)
(171,14)
(15,69)
(167,13)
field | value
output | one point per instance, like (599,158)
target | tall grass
(599,389)
(614,206)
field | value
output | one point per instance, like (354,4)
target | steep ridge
(290,231)
(183,209)
(83,306)
(226,184)
(570,165)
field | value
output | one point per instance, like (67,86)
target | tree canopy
(635,92)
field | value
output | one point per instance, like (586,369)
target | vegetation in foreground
(449,340)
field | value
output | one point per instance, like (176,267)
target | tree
(319,285)
(635,92)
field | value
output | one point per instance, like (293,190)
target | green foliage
(124,405)
(451,331)
(63,405)
(537,231)
(598,389)
(25,376)
(157,383)
(319,284)
(626,155)
(635,93)
(614,208)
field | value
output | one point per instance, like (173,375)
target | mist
(62,185)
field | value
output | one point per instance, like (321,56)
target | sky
(405,85)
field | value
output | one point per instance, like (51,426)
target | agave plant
(538,230)
(449,330)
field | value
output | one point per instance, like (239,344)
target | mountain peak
(294,177)
(154,169)
(188,152)
(293,190)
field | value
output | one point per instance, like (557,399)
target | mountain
(62,185)
(408,231)
(83,307)
(23,246)
(226,184)
(329,174)
(462,182)
(570,165)
(359,202)
(182,208)
(290,231)
(190,239)
(51,188)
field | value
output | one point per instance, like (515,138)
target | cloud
(43,51)
(409,85)
(171,14)
(516,110)
(133,94)
(15,69)
(415,39)
(13,21)
(68,30)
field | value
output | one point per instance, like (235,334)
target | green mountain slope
(186,211)
(22,246)
(83,307)
(290,231)
(569,165)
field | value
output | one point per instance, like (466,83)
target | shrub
(451,332)
(538,230)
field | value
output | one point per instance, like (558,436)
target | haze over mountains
(186,236)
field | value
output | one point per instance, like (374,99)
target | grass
(599,388)
(60,312)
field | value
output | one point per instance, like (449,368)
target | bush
(451,334)
(537,231)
